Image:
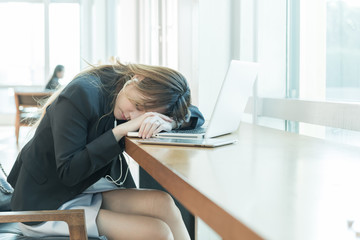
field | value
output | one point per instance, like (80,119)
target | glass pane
(343,50)
(64,25)
(342,60)
(22,44)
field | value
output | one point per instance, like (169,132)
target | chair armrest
(74,218)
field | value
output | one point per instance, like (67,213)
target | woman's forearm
(119,132)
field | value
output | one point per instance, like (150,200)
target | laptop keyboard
(191,131)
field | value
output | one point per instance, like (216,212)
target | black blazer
(72,148)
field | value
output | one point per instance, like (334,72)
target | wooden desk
(271,184)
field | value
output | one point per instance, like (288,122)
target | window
(342,59)
(22,59)
(327,49)
(322,54)
(26,59)
(308,51)
(147,32)
(343,50)
(64,38)
(36,36)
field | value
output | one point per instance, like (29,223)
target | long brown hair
(161,87)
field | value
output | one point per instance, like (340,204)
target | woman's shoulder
(83,86)
(85,92)
(86,82)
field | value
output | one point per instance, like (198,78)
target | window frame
(312,107)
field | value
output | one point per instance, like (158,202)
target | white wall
(214,51)
(187,44)
(98,31)
(259,36)
(127,38)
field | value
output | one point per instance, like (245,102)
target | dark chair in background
(27,106)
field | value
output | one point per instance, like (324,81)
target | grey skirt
(90,200)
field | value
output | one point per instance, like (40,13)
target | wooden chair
(27,106)
(74,218)
(9,229)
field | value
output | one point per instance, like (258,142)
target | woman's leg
(117,226)
(152,204)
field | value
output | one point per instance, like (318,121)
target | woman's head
(141,87)
(58,71)
(154,88)
(144,88)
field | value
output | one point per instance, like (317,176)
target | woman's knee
(165,204)
(163,231)
(124,226)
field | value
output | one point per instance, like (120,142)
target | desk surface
(270,184)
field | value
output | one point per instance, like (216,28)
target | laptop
(226,116)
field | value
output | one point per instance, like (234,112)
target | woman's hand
(148,124)
(154,124)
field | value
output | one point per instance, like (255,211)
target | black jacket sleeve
(195,120)
(78,155)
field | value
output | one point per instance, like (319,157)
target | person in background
(76,157)
(53,83)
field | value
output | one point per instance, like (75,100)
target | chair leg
(17,125)
(17,130)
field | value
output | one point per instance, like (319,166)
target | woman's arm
(79,150)
(152,123)
(83,144)
(194,120)
(147,125)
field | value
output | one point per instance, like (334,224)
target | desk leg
(146,181)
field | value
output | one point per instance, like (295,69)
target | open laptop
(226,116)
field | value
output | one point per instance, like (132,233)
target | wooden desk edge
(35,94)
(227,226)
